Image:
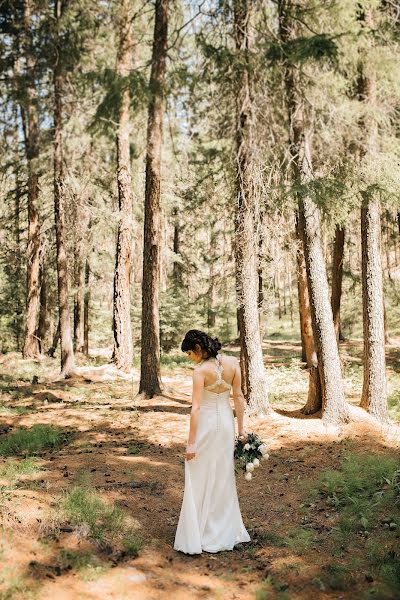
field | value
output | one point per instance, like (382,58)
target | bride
(210,519)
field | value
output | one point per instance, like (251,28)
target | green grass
(15,588)
(299,539)
(31,441)
(104,524)
(12,470)
(14,410)
(72,559)
(365,494)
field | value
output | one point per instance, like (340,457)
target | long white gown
(210,517)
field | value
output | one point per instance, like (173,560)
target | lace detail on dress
(219,381)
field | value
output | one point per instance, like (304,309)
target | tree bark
(374,392)
(333,405)
(86,325)
(43,325)
(177,272)
(308,354)
(56,338)
(150,374)
(337,278)
(246,246)
(79,286)
(31,134)
(123,343)
(67,353)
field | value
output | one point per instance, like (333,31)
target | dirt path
(133,452)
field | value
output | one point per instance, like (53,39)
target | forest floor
(129,454)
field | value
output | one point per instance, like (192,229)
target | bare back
(218,373)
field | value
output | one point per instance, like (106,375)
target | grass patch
(298,539)
(12,470)
(31,441)
(105,525)
(101,522)
(271,589)
(14,410)
(365,493)
(71,559)
(15,588)
(337,577)
(133,450)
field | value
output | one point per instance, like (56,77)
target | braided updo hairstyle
(206,343)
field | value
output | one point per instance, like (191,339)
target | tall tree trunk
(56,338)
(246,255)
(44,324)
(308,354)
(31,131)
(150,375)
(86,326)
(337,278)
(329,379)
(79,276)
(374,392)
(67,353)
(123,343)
(177,274)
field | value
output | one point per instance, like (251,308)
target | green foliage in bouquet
(249,454)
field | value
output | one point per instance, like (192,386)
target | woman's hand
(190,451)
(243,435)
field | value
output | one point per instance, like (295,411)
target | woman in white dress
(210,519)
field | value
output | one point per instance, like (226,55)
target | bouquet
(249,454)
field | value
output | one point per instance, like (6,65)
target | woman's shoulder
(230,359)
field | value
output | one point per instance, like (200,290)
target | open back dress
(210,517)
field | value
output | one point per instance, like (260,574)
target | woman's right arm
(238,398)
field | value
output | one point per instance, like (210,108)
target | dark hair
(206,343)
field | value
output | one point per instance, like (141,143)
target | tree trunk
(31,133)
(52,350)
(177,274)
(246,246)
(333,405)
(123,343)
(150,375)
(337,278)
(78,301)
(43,325)
(86,326)
(307,342)
(374,392)
(67,353)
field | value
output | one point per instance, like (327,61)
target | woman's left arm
(198,385)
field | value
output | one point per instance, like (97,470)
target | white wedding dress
(210,517)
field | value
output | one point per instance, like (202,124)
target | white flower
(248,476)
(256,462)
(247,446)
(262,448)
(250,467)
(265,456)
